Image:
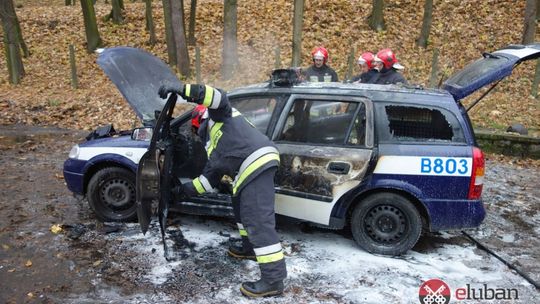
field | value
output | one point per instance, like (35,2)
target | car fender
(370,186)
(106,160)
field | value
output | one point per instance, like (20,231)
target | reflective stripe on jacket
(234,146)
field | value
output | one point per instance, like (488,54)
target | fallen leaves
(461,30)
(56,228)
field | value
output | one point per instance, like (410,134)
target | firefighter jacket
(322,74)
(234,146)
(370,76)
(390,76)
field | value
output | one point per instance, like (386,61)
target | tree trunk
(537,10)
(529,22)
(179,34)
(192,15)
(536,80)
(350,63)
(434,69)
(116,12)
(376,19)
(93,41)
(422,41)
(230,48)
(73,67)
(171,49)
(12,41)
(298,23)
(150,23)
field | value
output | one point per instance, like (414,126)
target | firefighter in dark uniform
(389,72)
(368,72)
(237,149)
(320,71)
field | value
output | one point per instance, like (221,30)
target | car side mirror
(142,134)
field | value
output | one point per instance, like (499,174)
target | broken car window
(258,110)
(358,131)
(416,123)
(319,122)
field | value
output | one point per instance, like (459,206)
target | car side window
(318,122)
(358,131)
(419,124)
(258,110)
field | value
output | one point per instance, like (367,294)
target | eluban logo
(434,291)
(486,293)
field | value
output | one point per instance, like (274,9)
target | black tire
(111,194)
(386,223)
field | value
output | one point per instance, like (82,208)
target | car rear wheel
(111,194)
(386,223)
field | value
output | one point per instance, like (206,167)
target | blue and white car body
(386,161)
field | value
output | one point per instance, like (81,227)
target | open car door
(154,182)
(492,68)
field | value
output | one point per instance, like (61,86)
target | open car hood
(137,74)
(491,68)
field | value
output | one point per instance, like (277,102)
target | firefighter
(320,71)
(237,149)
(368,70)
(389,73)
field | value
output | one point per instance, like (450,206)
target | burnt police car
(387,161)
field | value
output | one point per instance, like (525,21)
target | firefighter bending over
(237,149)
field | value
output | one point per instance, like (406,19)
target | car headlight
(74,153)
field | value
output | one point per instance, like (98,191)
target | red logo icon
(434,291)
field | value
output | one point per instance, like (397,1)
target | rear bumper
(455,214)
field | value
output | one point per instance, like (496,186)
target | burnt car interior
(325,122)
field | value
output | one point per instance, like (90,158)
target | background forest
(461,30)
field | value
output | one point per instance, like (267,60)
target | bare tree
(93,40)
(116,11)
(192,15)
(422,40)
(171,49)
(376,19)
(150,22)
(298,23)
(230,47)
(529,22)
(536,80)
(12,41)
(537,10)
(179,37)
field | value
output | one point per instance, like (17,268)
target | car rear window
(410,123)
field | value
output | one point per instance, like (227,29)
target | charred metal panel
(304,168)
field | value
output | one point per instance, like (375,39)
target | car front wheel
(111,194)
(386,223)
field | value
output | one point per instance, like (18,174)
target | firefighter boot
(242,251)
(261,288)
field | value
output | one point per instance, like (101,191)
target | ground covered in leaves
(53,249)
(461,30)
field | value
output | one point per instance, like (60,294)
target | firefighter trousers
(255,217)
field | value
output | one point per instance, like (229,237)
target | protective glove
(179,193)
(167,88)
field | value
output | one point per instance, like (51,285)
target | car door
(325,143)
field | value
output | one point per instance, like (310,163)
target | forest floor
(84,261)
